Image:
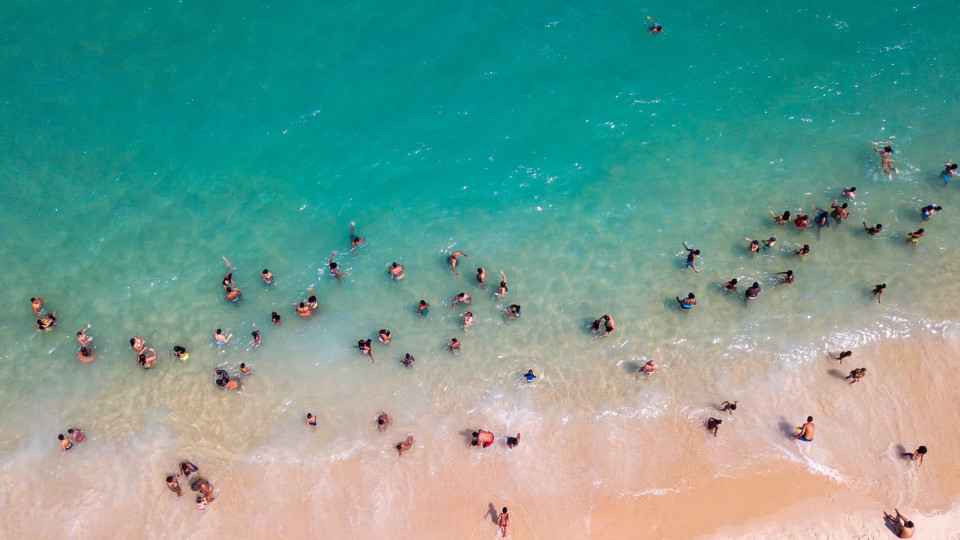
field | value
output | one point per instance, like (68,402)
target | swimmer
(267,277)
(782,218)
(408,360)
(926,212)
(713,424)
(365,348)
(857,374)
(803,251)
(146,361)
(82,336)
(77,434)
(201,504)
(65,444)
(37,305)
(228,277)
(806,431)
(395,270)
(502,289)
(731,286)
(801,221)
(423,307)
(461,297)
(334,269)
(754,245)
(878,291)
(187,468)
(915,236)
(842,355)
(788,277)
(453,261)
(312,421)
(513,311)
(849,192)
(655,29)
(404,446)
(275,318)
(917,455)
(688,302)
(355,241)
(312,300)
(872,230)
(47,322)
(302,309)
(384,335)
(221,339)
(173,485)
(901,524)
(949,170)
(257,340)
(886,162)
(529,376)
(467,319)
(244,370)
(481,276)
(454,345)
(85,355)
(839,212)
(513,442)
(752,291)
(728,407)
(650,367)
(383,420)
(482,438)
(822,218)
(769,243)
(691,257)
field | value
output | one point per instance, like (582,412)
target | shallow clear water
(558,142)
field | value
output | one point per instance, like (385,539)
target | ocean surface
(561,143)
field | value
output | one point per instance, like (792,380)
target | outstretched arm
(229,266)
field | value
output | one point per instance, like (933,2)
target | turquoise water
(560,143)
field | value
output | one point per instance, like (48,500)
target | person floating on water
(244,370)
(782,218)
(886,162)
(453,261)
(229,287)
(187,468)
(275,318)
(355,241)
(47,322)
(513,442)
(688,302)
(806,431)
(656,28)
(512,311)
(692,255)
(788,277)
(334,268)
(85,355)
(849,192)
(650,367)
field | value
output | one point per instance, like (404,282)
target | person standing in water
(878,291)
(37,305)
(65,444)
(221,339)
(692,255)
(688,302)
(502,289)
(915,236)
(82,336)
(752,291)
(806,431)
(423,308)
(481,277)
(839,212)
(731,286)
(267,277)
(334,269)
(728,407)
(404,446)
(916,455)
(788,277)
(463,298)
(395,270)
(312,421)
(782,218)
(383,420)
(872,230)
(949,170)
(173,485)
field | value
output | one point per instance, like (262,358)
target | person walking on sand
(842,355)
(404,446)
(728,407)
(857,374)
(916,455)
(806,431)
(901,524)
(453,261)
(692,255)
(503,521)
(713,424)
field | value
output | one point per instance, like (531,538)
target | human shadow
(787,428)
(631,366)
(837,373)
(888,520)
(492,512)
(468,439)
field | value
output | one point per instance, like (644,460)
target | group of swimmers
(198,484)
